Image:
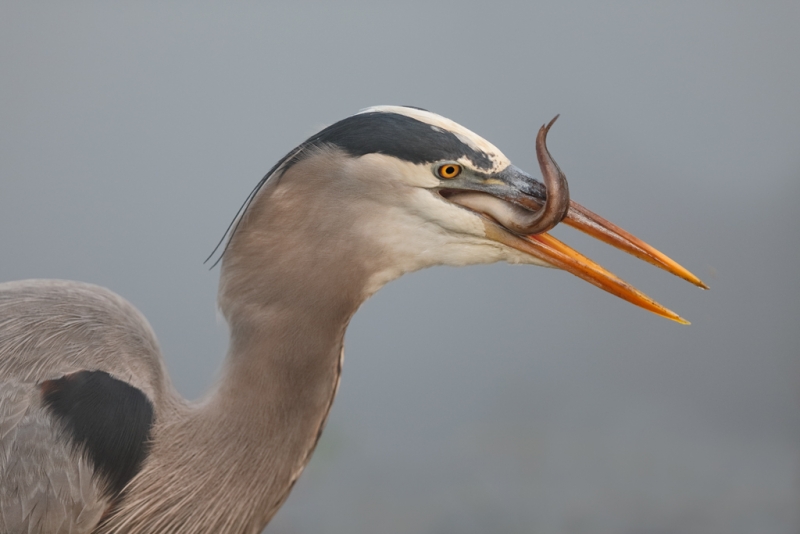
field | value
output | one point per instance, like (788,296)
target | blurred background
(485,399)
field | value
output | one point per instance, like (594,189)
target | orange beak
(552,251)
(518,214)
(592,224)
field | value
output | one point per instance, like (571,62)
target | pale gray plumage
(46,487)
(334,223)
(50,328)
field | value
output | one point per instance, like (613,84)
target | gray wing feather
(45,487)
(50,328)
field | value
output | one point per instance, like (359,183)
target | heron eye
(449,170)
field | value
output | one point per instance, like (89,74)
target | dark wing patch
(400,136)
(107,418)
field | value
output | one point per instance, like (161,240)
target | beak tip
(689,277)
(669,314)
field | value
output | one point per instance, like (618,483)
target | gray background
(484,399)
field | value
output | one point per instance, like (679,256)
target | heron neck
(287,308)
(284,360)
(233,459)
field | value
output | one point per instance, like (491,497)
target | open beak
(520,210)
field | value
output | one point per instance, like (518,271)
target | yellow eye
(449,170)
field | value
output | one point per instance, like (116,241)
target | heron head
(424,190)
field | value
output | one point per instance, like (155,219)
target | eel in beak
(519,211)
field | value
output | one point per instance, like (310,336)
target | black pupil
(449,170)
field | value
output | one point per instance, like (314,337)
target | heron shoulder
(50,328)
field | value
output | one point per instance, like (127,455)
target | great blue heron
(93,436)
